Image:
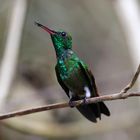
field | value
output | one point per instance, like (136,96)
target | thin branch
(65,104)
(131,84)
(121,95)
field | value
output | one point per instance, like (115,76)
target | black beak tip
(45,28)
(37,23)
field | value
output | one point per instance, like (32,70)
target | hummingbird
(74,75)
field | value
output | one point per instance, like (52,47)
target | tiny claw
(71,104)
(85,101)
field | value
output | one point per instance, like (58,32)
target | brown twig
(121,95)
(130,85)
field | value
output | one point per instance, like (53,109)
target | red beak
(45,28)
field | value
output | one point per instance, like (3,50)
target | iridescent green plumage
(74,76)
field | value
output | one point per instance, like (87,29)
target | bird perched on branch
(74,76)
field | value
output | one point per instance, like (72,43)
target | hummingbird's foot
(85,101)
(71,104)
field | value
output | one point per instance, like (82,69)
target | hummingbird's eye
(63,34)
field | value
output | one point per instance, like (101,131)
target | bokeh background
(105,35)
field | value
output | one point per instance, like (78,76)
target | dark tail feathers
(93,111)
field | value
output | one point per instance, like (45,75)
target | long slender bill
(45,28)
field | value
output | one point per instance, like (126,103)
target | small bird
(74,76)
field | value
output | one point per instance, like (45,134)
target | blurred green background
(98,39)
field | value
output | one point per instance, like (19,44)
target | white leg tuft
(87,91)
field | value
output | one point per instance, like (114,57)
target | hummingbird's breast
(76,81)
(72,75)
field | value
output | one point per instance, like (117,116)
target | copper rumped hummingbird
(74,75)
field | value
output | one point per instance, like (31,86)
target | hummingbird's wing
(65,88)
(98,107)
(90,79)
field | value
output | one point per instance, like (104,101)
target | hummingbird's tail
(93,111)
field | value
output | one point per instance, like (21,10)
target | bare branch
(130,85)
(65,104)
(121,95)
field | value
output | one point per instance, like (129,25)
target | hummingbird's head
(60,39)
